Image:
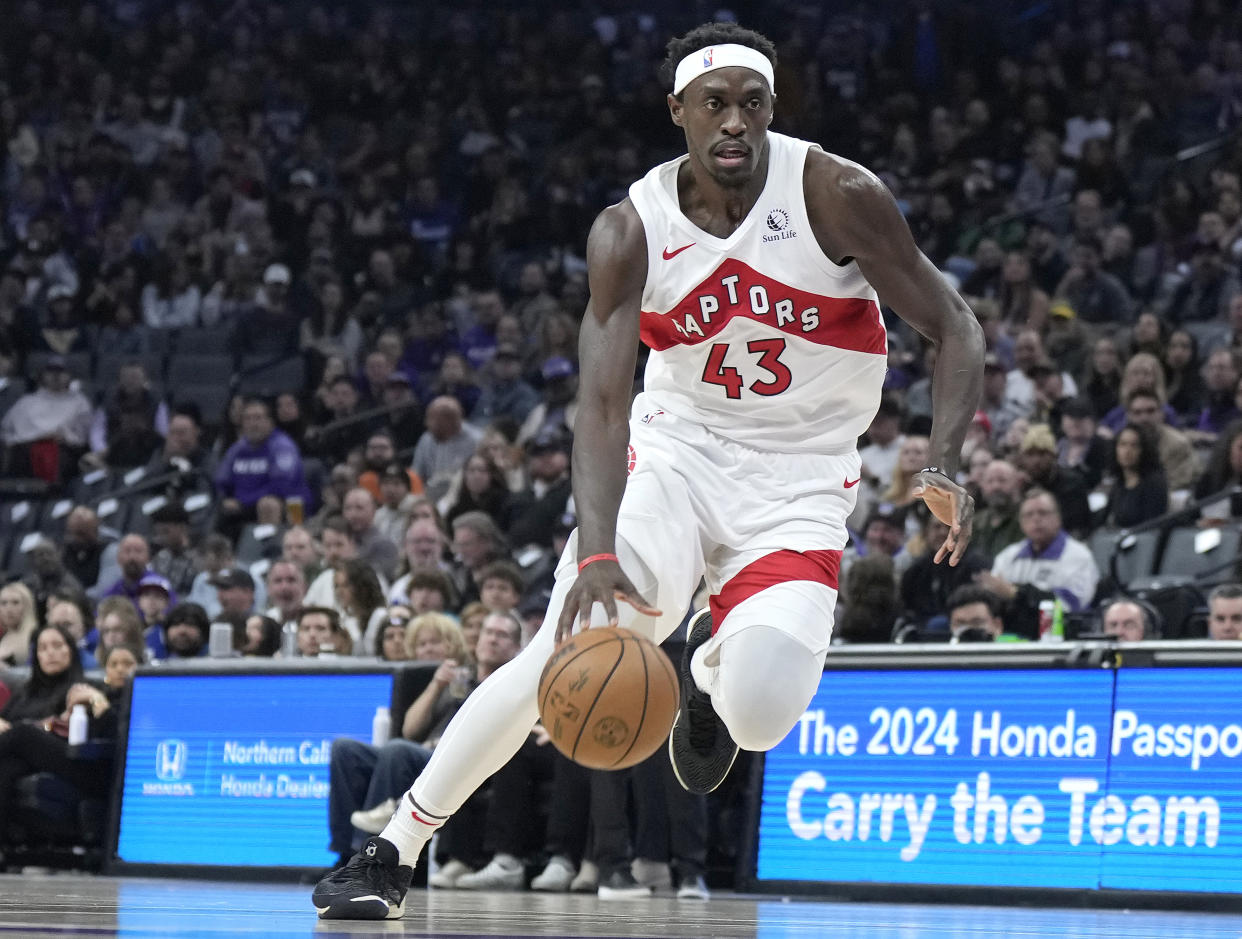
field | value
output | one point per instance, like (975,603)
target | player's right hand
(601,582)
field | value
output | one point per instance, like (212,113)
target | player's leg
(656,532)
(780,539)
(765,664)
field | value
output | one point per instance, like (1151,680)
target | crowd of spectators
(395,198)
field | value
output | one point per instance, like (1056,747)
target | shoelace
(374,872)
(702,720)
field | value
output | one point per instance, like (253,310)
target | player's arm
(607,352)
(855,216)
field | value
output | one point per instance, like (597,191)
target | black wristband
(936,469)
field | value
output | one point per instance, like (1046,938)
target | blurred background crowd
(290,293)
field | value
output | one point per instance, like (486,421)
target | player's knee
(766,681)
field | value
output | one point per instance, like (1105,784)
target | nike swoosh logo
(851,485)
(669,255)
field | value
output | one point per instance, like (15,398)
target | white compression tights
(762,685)
(494,721)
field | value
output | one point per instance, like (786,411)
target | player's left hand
(954,506)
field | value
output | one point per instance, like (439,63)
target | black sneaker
(700,748)
(621,885)
(371,886)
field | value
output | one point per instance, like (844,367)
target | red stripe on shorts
(780,567)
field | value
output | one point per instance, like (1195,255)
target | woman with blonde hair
(17,623)
(911,458)
(1142,371)
(434,637)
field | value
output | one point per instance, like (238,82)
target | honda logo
(170,759)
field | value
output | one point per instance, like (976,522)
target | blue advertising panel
(1172,819)
(939,777)
(233,770)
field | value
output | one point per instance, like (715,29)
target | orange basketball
(608,697)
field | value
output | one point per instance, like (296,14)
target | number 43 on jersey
(766,354)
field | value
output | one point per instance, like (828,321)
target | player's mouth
(731,154)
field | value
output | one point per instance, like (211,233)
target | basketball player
(751,268)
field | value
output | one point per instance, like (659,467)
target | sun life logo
(778,220)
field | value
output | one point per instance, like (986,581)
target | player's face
(725,115)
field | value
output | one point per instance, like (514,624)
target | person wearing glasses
(1046,564)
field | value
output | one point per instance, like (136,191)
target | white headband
(714,57)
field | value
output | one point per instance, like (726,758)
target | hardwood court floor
(42,907)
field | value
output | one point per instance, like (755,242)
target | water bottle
(220,643)
(77,725)
(289,641)
(381,725)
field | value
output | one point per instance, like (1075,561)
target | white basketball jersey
(758,336)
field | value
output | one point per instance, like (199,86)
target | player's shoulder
(617,234)
(833,176)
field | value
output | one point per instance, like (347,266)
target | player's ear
(675,108)
(772,110)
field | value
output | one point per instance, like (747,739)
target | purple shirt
(273,468)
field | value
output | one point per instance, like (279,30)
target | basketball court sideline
(40,907)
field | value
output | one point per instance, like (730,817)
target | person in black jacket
(42,746)
(56,664)
(1140,488)
(534,512)
(28,720)
(1039,462)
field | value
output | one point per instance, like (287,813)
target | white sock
(411,827)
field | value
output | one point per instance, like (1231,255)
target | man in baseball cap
(235,591)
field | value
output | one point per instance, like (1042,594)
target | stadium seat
(140,507)
(1136,554)
(202,340)
(211,400)
(112,512)
(258,542)
(108,369)
(91,487)
(201,507)
(53,524)
(199,368)
(261,375)
(1187,553)
(78,364)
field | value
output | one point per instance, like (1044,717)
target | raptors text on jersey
(758,336)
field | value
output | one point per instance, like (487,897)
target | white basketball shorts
(765,529)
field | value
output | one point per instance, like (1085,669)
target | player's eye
(754,104)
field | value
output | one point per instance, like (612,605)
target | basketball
(607,698)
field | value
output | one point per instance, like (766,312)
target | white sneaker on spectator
(447,876)
(372,821)
(653,874)
(587,879)
(556,877)
(693,888)
(503,872)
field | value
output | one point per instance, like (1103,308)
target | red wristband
(596,557)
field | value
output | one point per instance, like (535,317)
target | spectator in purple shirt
(264,462)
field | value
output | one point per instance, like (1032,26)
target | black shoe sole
(700,631)
(371,909)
